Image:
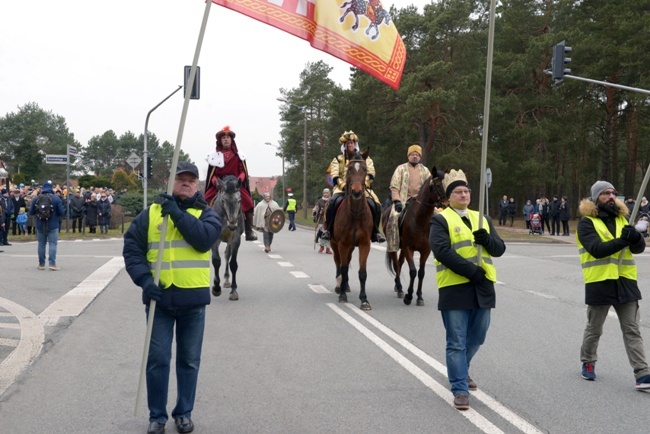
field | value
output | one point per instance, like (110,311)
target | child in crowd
(21,220)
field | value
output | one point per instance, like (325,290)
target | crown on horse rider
(347,136)
(454,179)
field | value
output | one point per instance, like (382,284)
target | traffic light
(560,61)
(196,87)
(149,168)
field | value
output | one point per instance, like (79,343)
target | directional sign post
(488,183)
(56,159)
(72,150)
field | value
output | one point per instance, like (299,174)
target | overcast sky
(104,65)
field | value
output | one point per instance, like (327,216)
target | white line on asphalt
(319,289)
(275,256)
(299,275)
(472,415)
(285,264)
(31,342)
(541,294)
(10,325)
(497,407)
(9,342)
(77,299)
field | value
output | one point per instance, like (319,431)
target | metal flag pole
(635,209)
(170,189)
(486,120)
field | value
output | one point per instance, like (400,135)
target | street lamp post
(304,156)
(146,153)
(284,189)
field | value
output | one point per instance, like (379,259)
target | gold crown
(348,135)
(453,176)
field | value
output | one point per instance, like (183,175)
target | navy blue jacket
(201,233)
(53,222)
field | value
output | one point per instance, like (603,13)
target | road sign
(488,177)
(72,150)
(56,159)
(133,160)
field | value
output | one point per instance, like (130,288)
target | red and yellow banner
(359,32)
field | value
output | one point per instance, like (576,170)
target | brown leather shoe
(461,401)
(471,385)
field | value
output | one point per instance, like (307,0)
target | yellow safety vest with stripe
(462,241)
(182,265)
(599,269)
(291,204)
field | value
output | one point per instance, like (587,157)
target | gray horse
(228,205)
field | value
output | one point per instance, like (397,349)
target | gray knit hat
(598,188)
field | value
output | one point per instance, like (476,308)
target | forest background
(543,139)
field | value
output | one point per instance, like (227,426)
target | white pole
(170,188)
(486,116)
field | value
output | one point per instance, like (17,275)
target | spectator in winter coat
(644,208)
(91,214)
(555,215)
(77,205)
(18,201)
(564,216)
(529,210)
(7,211)
(544,213)
(47,230)
(503,210)
(512,210)
(103,213)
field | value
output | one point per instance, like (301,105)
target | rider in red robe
(227,161)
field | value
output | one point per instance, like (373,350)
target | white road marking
(472,415)
(541,294)
(285,264)
(299,275)
(12,325)
(31,342)
(319,289)
(496,406)
(77,299)
(9,342)
(275,256)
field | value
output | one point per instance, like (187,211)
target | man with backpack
(48,208)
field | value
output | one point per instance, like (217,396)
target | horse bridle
(439,191)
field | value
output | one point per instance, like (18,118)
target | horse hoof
(233,296)
(420,303)
(365,306)
(216,293)
(337,289)
(227,285)
(347,290)
(407,300)
(400,295)
(343,298)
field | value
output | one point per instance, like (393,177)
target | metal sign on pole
(56,159)
(488,183)
(133,160)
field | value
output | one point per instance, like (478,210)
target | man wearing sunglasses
(603,236)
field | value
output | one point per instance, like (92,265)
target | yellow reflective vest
(291,204)
(462,241)
(597,270)
(182,265)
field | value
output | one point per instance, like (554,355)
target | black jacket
(200,233)
(465,295)
(611,291)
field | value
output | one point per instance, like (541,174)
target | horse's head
(355,179)
(228,202)
(438,196)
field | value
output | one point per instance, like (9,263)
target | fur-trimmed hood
(588,208)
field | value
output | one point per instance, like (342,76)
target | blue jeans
(292,220)
(466,331)
(103,228)
(190,323)
(52,238)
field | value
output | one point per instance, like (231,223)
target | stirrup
(325,235)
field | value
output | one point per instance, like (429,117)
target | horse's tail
(389,263)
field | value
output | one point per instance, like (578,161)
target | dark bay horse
(228,205)
(352,228)
(414,234)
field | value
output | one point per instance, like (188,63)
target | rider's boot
(329,221)
(248,226)
(377,236)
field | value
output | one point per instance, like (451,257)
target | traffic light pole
(146,153)
(605,83)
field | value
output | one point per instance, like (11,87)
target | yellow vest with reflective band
(462,241)
(182,264)
(597,270)
(292,205)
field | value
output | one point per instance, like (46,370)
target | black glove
(170,207)
(481,237)
(398,205)
(478,276)
(152,291)
(630,234)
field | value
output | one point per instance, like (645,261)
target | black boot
(329,218)
(248,225)
(377,236)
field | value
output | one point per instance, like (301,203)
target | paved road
(288,358)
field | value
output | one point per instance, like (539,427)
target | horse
(228,206)
(414,234)
(372,9)
(352,228)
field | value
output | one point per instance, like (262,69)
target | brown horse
(352,228)
(414,234)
